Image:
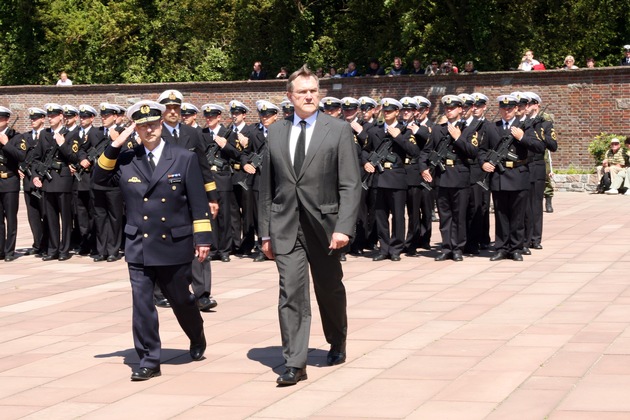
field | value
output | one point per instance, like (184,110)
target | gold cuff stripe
(202,226)
(210,186)
(106,163)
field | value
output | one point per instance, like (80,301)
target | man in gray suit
(310,189)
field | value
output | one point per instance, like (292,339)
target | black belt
(511,164)
(389,165)
(410,161)
(535,159)
(6,175)
(453,162)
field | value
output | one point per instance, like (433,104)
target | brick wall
(583,102)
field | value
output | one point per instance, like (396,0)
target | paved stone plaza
(547,338)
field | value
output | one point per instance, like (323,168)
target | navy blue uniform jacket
(167,209)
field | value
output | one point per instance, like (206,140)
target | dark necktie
(175,136)
(105,132)
(300,149)
(151,161)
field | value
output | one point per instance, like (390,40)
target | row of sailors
(400,179)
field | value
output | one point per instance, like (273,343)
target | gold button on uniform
(164,200)
(163,236)
(146,235)
(146,199)
(146,217)
(164,219)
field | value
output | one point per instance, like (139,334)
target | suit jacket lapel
(285,137)
(142,164)
(319,134)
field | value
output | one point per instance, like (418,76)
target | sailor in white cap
(12,152)
(56,181)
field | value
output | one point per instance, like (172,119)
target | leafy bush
(600,144)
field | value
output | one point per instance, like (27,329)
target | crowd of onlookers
(435,67)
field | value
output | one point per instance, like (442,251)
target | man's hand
(454,131)
(249,168)
(244,140)
(214,208)
(221,141)
(413,127)
(426,175)
(393,131)
(59,139)
(37,182)
(356,127)
(338,240)
(488,167)
(369,168)
(267,249)
(4,139)
(85,163)
(121,138)
(517,133)
(202,252)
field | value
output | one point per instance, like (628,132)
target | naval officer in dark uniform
(168,224)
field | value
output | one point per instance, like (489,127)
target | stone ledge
(575,183)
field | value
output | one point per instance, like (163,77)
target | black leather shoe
(206,303)
(31,251)
(379,257)
(517,256)
(342,257)
(526,251)
(457,256)
(99,258)
(162,303)
(484,246)
(537,246)
(358,252)
(471,250)
(500,255)
(260,258)
(395,257)
(225,258)
(145,373)
(292,376)
(10,258)
(443,256)
(336,355)
(112,258)
(64,257)
(197,350)
(50,257)
(411,253)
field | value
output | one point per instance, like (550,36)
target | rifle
(213,160)
(497,156)
(42,168)
(93,153)
(377,158)
(439,155)
(256,161)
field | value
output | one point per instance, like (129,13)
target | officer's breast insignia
(75,147)
(174,179)
(553,134)
(134,179)
(474,140)
(355,140)
(130,145)
(23,145)
(412,139)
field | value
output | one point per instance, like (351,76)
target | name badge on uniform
(174,178)
(134,179)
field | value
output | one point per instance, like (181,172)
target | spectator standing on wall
(257,73)
(625,61)
(569,63)
(528,62)
(590,63)
(282,74)
(63,79)
(417,69)
(469,68)
(351,71)
(398,69)
(375,68)
(433,68)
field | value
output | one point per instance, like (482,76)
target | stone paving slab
(546,338)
